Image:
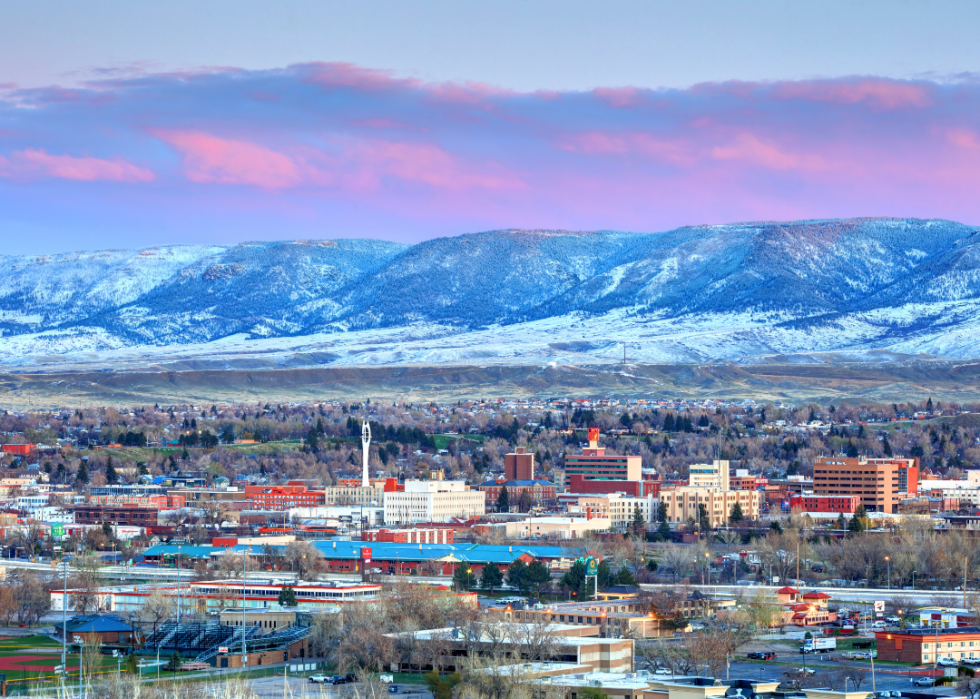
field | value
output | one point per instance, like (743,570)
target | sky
(137,124)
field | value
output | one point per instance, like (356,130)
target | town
(583,547)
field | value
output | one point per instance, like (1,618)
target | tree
(81,476)
(287,596)
(492,577)
(662,511)
(624,577)
(517,575)
(736,515)
(537,575)
(704,522)
(110,472)
(841,522)
(664,531)
(638,524)
(503,500)
(856,525)
(463,577)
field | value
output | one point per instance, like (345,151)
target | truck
(819,645)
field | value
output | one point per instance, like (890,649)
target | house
(106,628)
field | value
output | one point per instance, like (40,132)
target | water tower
(366,452)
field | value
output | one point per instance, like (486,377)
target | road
(885,677)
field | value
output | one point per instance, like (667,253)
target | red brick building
(519,466)
(541,492)
(409,536)
(746,482)
(638,489)
(825,503)
(128,515)
(282,497)
(919,646)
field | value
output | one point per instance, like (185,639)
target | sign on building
(879,606)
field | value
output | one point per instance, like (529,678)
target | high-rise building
(683,503)
(433,501)
(593,464)
(519,466)
(713,475)
(881,483)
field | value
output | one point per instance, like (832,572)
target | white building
(965,490)
(713,475)
(433,501)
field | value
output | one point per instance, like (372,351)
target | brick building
(131,515)
(919,646)
(880,483)
(282,497)
(541,492)
(593,464)
(409,536)
(519,466)
(577,483)
(847,504)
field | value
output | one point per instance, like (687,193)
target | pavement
(278,687)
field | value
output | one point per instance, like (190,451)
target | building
(199,496)
(409,536)
(105,628)
(638,489)
(683,503)
(546,527)
(541,493)
(922,646)
(519,466)
(131,515)
(881,483)
(847,504)
(605,618)
(713,475)
(283,497)
(597,654)
(353,495)
(433,501)
(160,502)
(593,464)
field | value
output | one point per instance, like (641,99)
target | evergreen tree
(852,450)
(664,531)
(775,526)
(110,472)
(704,523)
(463,577)
(536,575)
(624,577)
(287,596)
(638,524)
(669,423)
(886,446)
(81,476)
(841,522)
(517,575)
(503,500)
(491,578)
(736,515)
(856,525)
(662,512)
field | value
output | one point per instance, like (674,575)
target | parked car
(663,672)
(339,679)
(318,679)
(805,671)
(947,662)
(386,679)
(923,682)
(762,656)
(893,620)
(393,689)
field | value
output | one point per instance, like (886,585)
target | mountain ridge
(695,293)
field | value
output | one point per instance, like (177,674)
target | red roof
(801,615)
(816,595)
(787,591)
(799,607)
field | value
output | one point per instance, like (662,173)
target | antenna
(366,451)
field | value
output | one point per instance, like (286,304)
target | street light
(913,581)
(81,665)
(888,562)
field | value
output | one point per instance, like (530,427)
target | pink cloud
(600,143)
(214,160)
(964,138)
(750,149)
(619,97)
(33,162)
(884,94)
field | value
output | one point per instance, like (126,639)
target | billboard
(879,606)
(593,434)
(591,566)
(57,532)
(366,554)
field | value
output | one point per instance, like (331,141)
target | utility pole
(965,560)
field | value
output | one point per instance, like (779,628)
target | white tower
(366,452)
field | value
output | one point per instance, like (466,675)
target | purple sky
(334,150)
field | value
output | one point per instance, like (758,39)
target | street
(278,687)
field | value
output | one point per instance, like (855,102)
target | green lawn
(28,642)
(442,441)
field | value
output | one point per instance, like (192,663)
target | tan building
(351,495)
(713,475)
(552,527)
(881,483)
(268,620)
(682,503)
(198,496)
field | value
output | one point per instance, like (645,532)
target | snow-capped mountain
(727,292)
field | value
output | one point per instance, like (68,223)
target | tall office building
(519,466)
(880,483)
(593,464)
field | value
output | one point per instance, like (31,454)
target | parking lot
(273,688)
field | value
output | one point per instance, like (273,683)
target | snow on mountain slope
(703,293)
